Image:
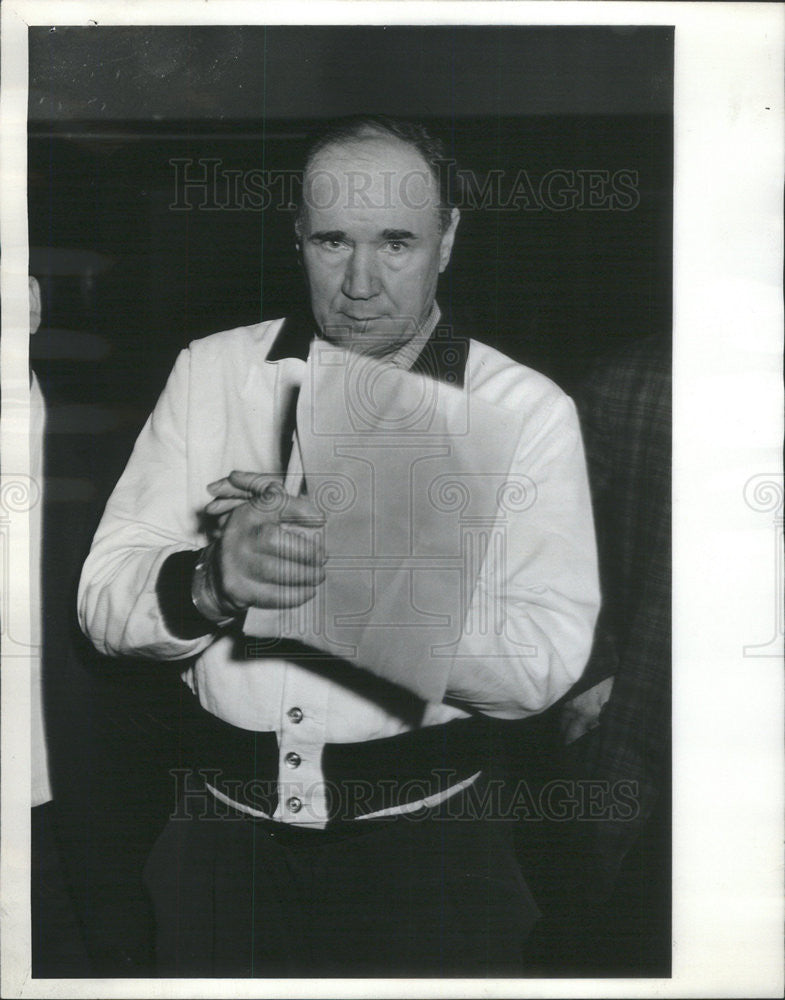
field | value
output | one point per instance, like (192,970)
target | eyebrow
(338,234)
(399,234)
(328,234)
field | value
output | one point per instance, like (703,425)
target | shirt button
(294,804)
(293,759)
(295,715)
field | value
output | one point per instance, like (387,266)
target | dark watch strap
(173,588)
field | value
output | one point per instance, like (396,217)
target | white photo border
(728,802)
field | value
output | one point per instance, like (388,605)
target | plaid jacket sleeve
(625,409)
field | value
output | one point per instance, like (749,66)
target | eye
(397,246)
(332,244)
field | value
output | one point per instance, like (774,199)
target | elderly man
(275,864)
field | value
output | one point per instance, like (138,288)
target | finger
(269,496)
(217,507)
(224,488)
(255,483)
(301,511)
(279,505)
(245,574)
(286,572)
(303,544)
(266,493)
(283,597)
(297,545)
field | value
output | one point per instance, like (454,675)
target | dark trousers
(430,894)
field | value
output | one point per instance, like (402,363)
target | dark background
(128,281)
(110,107)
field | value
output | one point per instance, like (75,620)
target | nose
(361,279)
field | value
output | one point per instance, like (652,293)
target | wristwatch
(203,595)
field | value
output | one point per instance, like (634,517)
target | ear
(448,238)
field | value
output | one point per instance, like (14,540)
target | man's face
(371,242)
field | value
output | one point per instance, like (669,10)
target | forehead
(372,179)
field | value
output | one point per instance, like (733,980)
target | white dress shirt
(222,410)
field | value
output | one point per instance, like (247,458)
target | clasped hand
(269,552)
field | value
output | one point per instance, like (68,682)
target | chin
(377,337)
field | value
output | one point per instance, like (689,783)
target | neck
(407,354)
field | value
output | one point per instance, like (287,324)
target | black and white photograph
(349,503)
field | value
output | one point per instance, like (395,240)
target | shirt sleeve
(147,520)
(530,623)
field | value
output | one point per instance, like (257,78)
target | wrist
(204,593)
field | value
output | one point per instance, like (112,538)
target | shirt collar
(435,350)
(407,355)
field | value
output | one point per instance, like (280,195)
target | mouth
(361,319)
